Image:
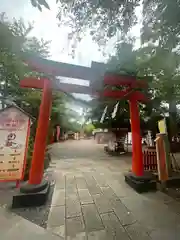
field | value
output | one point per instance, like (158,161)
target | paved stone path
(92,201)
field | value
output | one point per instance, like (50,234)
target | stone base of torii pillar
(142,184)
(31,195)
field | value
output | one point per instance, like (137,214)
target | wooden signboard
(14,134)
(162,126)
(161,158)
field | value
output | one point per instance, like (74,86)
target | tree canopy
(12,70)
(103,18)
(157,66)
(158,56)
(161,22)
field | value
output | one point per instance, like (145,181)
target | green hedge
(29,157)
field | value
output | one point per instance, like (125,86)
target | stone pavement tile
(91,217)
(70,184)
(73,208)
(45,236)
(161,219)
(158,196)
(99,235)
(92,185)
(137,232)
(84,196)
(109,193)
(60,181)
(56,217)
(114,227)
(100,179)
(154,214)
(58,198)
(165,234)
(81,183)
(74,226)
(59,231)
(102,203)
(92,169)
(79,236)
(134,203)
(174,206)
(125,216)
(118,189)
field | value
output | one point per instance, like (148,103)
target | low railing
(150,160)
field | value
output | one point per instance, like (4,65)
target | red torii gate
(36,190)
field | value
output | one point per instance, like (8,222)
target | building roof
(20,109)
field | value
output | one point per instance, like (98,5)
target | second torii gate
(36,190)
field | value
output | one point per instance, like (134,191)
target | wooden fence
(150,160)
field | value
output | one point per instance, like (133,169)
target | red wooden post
(17,184)
(37,166)
(137,158)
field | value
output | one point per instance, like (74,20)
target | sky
(46,27)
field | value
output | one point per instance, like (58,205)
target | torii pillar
(35,191)
(137,157)
(137,178)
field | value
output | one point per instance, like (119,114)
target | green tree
(39,4)
(150,64)
(161,22)
(13,69)
(88,128)
(104,18)
(14,40)
(163,66)
(161,27)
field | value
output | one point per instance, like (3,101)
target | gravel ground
(37,215)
